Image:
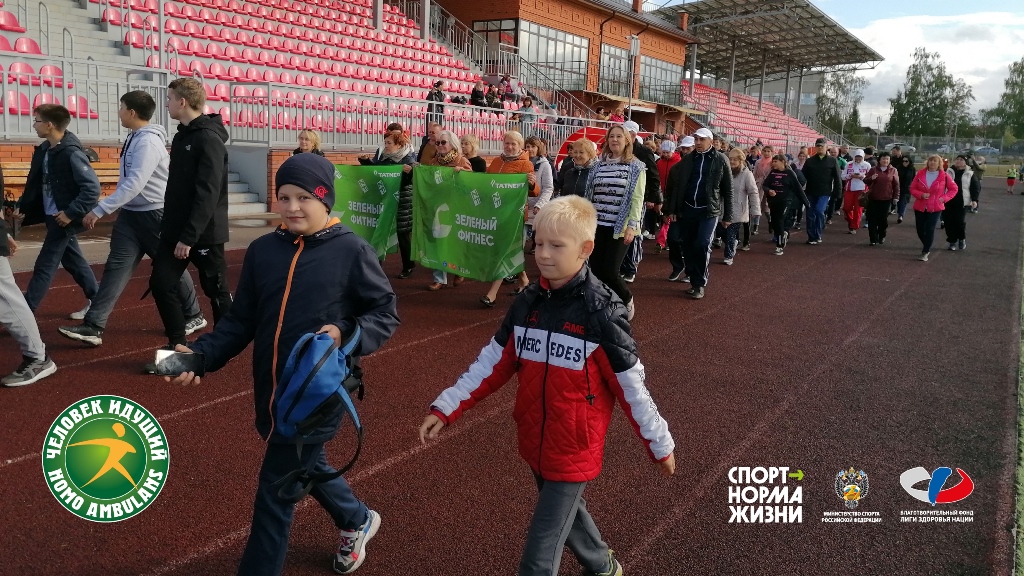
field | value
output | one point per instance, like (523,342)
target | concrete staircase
(91,39)
(242,203)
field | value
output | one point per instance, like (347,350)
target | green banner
(366,200)
(469,224)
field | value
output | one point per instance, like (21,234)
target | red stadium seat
(194,47)
(110,16)
(133,38)
(309,65)
(227,35)
(248,56)
(266,59)
(235,6)
(232,53)
(192,29)
(286,78)
(295,63)
(22,73)
(223,19)
(302,80)
(243,38)
(270,76)
(235,73)
(214,51)
(331,84)
(316,82)
(281,61)
(78,106)
(253,75)
(217,71)
(172,26)
(44,99)
(17,103)
(9,22)
(273,43)
(239,21)
(198,67)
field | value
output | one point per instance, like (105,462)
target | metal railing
(269,115)
(43,28)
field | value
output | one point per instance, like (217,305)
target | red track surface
(829,357)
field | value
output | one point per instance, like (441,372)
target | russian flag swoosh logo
(935,494)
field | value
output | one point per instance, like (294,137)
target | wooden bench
(15,173)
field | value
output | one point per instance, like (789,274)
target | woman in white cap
(854,176)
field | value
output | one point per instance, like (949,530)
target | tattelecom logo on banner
(105,458)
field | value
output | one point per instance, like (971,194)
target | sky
(977,40)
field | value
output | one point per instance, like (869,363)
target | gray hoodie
(144,163)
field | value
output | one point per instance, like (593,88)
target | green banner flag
(366,200)
(469,224)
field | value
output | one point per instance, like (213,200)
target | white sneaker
(352,549)
(923,257)
(630,310)
(194,324)
(727,261)
(80,315)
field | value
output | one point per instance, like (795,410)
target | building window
(660,81)
(614,71)
(559,55)
(496,32)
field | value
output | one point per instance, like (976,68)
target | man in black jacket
(823,183)
(16,317)
(652,201)
(699,192)
(61,188)
(194,227)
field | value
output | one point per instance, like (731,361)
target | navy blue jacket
(73,183)
(336,280)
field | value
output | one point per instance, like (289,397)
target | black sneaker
(404,274)
(84,332)
(194,324)
(674,276)
(29,371)
(695,293)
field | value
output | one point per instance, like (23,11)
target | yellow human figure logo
(118,449)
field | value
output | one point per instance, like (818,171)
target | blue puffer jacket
(304,282)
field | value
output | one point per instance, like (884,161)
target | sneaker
(674,276)
(899,220)
(648,236)
(194,324)
(785,239)
(853,231)
(352,549)
(746,248)
(923,257)
(696,293)
(778,251)
(951,247)
(716,243)
(80,315)
(828,222)
(84,332)
(630,310)
(727,261)
(796,227)
(754,231)
(962,245)
(685,279)
(614,568)
(629,278)
(872,244)
(404,274)
(30,370)
(814,242)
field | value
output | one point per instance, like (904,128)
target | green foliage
(1009,113)
(932,102)
(841,93)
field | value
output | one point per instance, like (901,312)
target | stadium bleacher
(745,122)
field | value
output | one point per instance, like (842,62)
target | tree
(1010,110)
(840,94)
(932,102)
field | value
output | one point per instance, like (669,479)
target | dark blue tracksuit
(338,280)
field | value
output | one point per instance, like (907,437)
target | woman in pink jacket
(931,189)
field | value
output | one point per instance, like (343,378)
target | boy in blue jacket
(567,340)
(311,275)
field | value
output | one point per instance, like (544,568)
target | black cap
(820,142)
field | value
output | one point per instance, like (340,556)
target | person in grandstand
(398,150)
(436,97)
(883,193)
(17,318)
(61,188)
(194,227)
(746,203)
(493,98)
(906,172)
(822,177)
(931,188)
(139,196)
(342,291)
(699,194)
(309,142)
(527,116)
(652,202)
(783,191)
(563,393)
(968,185)
(512,160)
(446,153)
(476,97)
(428,147)
(619,114)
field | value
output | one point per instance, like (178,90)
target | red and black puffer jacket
(574,356)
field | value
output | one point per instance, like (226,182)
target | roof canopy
(793,34)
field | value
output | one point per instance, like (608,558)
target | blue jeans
(698,230)
(901,206)
(59,248)
(816,217)
(134,234)
(732,239)
(272,517)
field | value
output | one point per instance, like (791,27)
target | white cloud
(976,47)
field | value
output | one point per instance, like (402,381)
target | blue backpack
(316,385)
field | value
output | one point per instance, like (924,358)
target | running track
(828,357)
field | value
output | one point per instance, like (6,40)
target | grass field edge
(1018,521)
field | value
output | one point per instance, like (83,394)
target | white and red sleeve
(491,370)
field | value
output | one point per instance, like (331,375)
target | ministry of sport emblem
(105,458)
(851,486)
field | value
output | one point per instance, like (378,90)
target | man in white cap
(854,176)
(652,200)
(685,145)
(699,193)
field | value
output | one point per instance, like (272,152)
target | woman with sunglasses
(447,154)
(906,171)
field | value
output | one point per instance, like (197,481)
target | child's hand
(431,427)
(668,466)
(333,331)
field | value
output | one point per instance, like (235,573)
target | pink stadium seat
(194,47)
(270,76)
(301,80)
(235,6)
(243,38)
(9,22)
(22,73)
(110,16)
(172,26)
(44,99)
(286,78)
(133,38)
(281,61)
(192,29)
(217,71)
(316,82)
(171,10)
(227,35)
(235,73)
(232,53)
(189,13)
(253,75)
(309,65)
(331,84)
(248,56)
(213,50)
(197,67)
(79,106)
(223,19)
(295,63)
(239,21)
(265,59)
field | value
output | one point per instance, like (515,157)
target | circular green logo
(105,458)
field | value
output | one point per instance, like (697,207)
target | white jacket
(746,200)
(966,180)
(852,168)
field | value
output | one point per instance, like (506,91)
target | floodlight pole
(785,95)
(799,92)
(634,52)
(764,69)
(732,70)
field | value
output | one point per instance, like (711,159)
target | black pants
(405,249)
(606,261)
(925,222)
(781,219)
(878,219)
(834,203)
(697,232)
(675,246)
(167,271)
(956,223)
